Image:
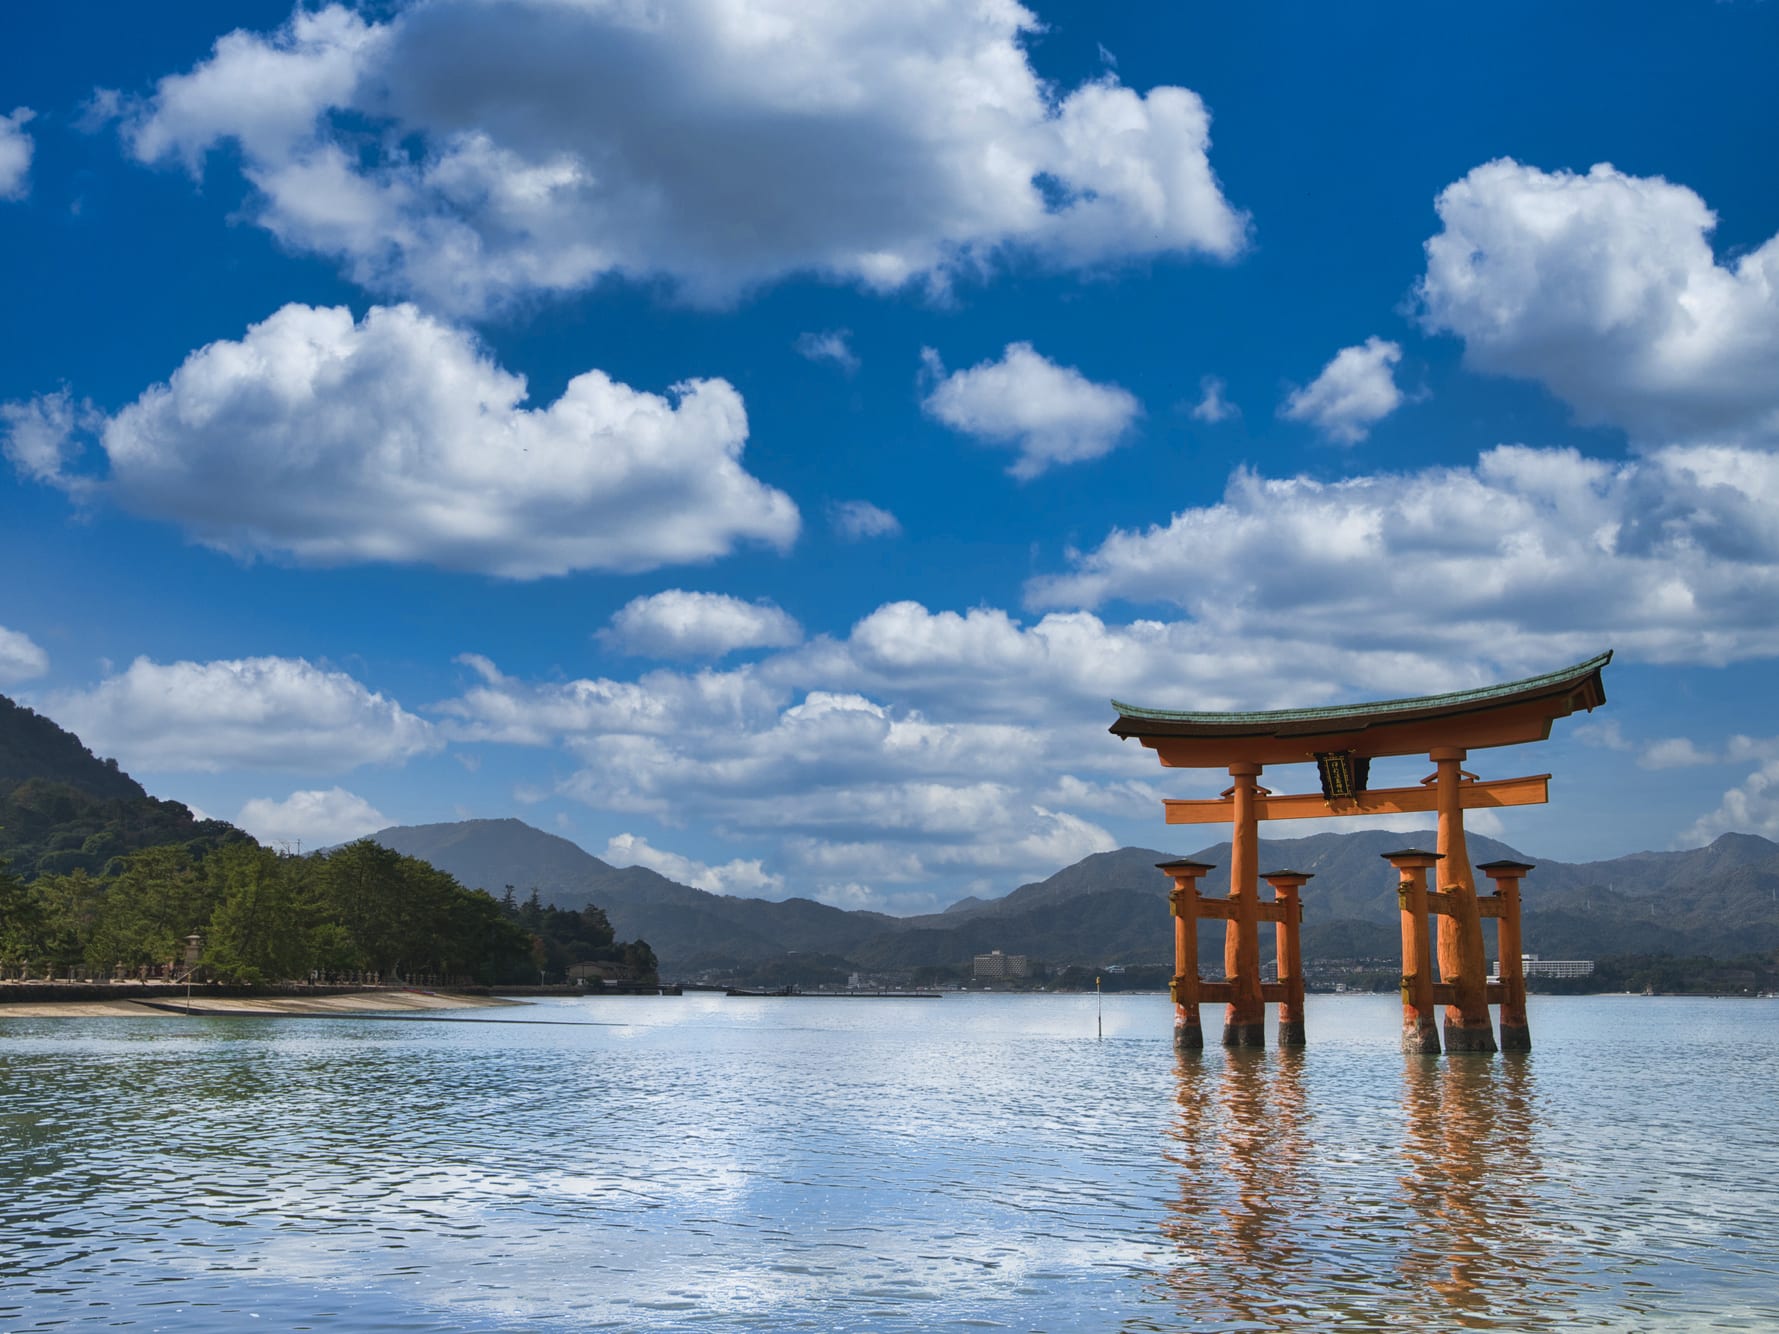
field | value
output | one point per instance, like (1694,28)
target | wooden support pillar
(1419,1032)
(1467,1026)
(1189,1035)
(1288,951)
(1516,1034)
(1244,1021)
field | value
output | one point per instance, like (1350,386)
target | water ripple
(980,1163)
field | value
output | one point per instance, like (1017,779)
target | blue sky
(755,440)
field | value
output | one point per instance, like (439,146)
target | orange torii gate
(1342,740)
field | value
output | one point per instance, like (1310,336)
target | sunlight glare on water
(703,1163)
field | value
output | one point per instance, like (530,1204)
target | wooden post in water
(1419,1032)
(1467,1025)
(1516,1034)
(1244,1021)
(1288,952)
(1189,1034)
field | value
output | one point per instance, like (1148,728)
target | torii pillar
(1516,1034)
(1244,1019)
(1419,1033)
(1288,952)
(1189,1034)
(1460,926)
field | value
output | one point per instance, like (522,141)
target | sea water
(975,1162)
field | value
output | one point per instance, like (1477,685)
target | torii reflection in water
(1298,1209)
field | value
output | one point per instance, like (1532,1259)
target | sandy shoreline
(172,1006)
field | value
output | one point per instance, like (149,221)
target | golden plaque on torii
(1342,740)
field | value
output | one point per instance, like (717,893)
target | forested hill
(96,876)
(63,809)
(32,747)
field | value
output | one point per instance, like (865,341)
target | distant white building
(1531,965)
(995,966)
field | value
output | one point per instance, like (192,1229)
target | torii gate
(1342,740)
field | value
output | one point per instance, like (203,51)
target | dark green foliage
(257,928)
(63,810)
(20,918)
(53,828)
(159,897)
(561,937)
(380,911)
(360,909)
(1347,939)
(95,873)
(59,920)
(640,959)
(32,747)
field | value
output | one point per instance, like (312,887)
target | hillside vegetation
(98,878)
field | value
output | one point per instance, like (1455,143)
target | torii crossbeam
(1342,740)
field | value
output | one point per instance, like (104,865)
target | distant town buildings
(995,966)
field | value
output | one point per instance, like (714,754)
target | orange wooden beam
(1532,791)
(1228,910)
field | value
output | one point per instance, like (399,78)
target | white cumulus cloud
(1751,807)
(1121,798)
(247,713)
(1604,288)
(830,345)
(680,624)
(502,708)
(741,876)
(1542,553)
(1051,414)
(1684,752)
(1212,407)
(849,788)
(314,819)
(42,438)
(20,657)
(1674,753)
(1354,392)
(397,439)
(856,520)
(472,151)
(15,153)
(985,663)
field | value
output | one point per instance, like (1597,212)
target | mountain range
(1721,900)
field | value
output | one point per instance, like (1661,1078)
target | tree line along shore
(357,913)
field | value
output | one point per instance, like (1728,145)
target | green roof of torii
(1456,701)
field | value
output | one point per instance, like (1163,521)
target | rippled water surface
(703,1163)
